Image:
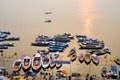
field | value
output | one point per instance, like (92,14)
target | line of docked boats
(4,37)
(41,60)
(88,56)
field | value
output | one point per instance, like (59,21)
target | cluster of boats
(41,60)
(112,73)
(89,43)
(4,37)
(94,47)
(56,43)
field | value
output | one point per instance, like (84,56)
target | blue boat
(114,71)
(31,73)
(55,49)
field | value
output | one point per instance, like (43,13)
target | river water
(94,18)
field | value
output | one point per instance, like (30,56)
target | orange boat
(17,65)
(26,65)
(36,63)
(88,58)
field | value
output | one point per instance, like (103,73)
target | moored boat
(73,57)
(56,55)
(36,63)
(117,61)
(114,71)
(103,72)
(40,43)
(17,65)
(3,47)
(81,58)
(7,44)
(12,39)
(95,59)
(58,66)
(26,64)
(100,46)
(45,61)
(87,58)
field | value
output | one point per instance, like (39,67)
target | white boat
(36,63)
(26,64)
(45,61)
(95,59)
(17,65)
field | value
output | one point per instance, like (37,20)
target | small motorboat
(87,58)
(95,59)
(81,58)
(17,65)
(36,63)
(117,61)
(26,65)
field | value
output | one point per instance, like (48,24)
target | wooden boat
(40,43)
(26,65)
(117,61)
(17,65)
(3,47)
(95,59)
(36,63)
(58,66)
(12,39)
(103,72)
(114,71)
(87,58)
(45,61)
(73,57)
(52,65)
(56,55)
(7,44)
(100,46)
(81,58)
